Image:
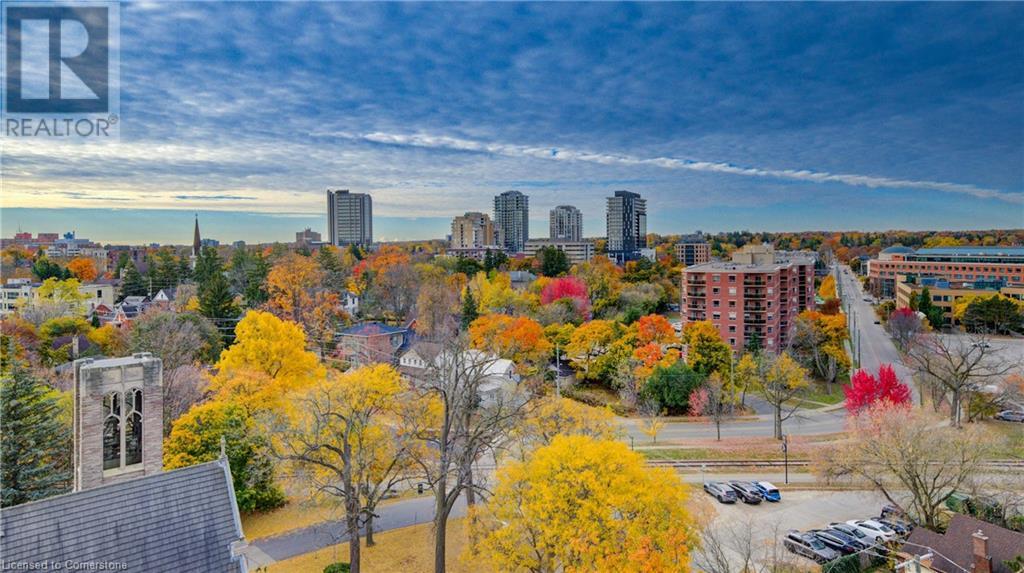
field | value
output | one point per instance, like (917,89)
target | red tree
(865,390)
(571,288)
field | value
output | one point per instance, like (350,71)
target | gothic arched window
(122,429)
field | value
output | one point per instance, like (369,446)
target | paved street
(392,516)
(875,346)
(803,423)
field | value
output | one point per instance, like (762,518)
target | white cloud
(561,154)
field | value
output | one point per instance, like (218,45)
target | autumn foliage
(520,338)
(865,390)
(571,288)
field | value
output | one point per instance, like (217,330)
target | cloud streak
(428,141)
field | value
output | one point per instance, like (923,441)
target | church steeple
(197,243)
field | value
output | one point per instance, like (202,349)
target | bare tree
(477,408)
(904,326)
(905,454)
(718,405)
(960,364)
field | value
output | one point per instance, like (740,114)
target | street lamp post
(785,454)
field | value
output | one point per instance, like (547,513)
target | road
(870,341)
(401,513)
(809,422)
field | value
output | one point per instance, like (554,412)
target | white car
(874,530)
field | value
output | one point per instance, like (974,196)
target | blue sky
(725,116)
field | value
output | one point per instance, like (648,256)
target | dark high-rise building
(349,218)
(627,226)
(512,220)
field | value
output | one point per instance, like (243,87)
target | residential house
(372,342)
(968,544)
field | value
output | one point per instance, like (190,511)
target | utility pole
(785,453)
(558,370)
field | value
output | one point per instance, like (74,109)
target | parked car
(851,538)
(836,540)
(720,491)
(892,511)
(853,532)
(873,529)
(768,491)
(1010,416)
(809,546)
(746,492)
(901,529)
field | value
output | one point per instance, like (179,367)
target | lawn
(757,448)
(406,549)
(1012,446)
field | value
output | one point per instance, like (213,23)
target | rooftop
(974,251)
(372,329)
(180,520)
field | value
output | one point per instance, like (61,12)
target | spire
(197,244)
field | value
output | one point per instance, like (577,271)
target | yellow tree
(53,299)
(827,289)
(295,292)
(268,359)
(705,350)
(780,381)
(581,504)
(520,339)
(495,294)
(346,434)
(83,268)
(555,416)
(589,342)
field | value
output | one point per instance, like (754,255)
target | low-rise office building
(575,251)
(945,294)
(954,264)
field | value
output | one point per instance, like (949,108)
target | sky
(764,116)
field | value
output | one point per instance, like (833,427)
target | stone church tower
(118,419)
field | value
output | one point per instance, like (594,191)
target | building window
(732,291)
(714,290)
(732,304)
(732,342)
(122,429)
(732,278)
(716,315)
(716,278)
(715,303)
(732,328)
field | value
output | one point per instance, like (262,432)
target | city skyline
(788,118)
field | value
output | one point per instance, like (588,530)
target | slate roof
(179,520)
(954,550)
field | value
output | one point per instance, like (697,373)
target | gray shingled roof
(179,520)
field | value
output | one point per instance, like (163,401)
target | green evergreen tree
(256,288)
(216,301)
(133,283)
(469,309)
(553,262)
(36,453)
(928,308)
(208,265)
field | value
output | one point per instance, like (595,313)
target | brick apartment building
(759,292)
(1003,265)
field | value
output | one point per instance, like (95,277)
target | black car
(837,540)
(720,491)
(808,545)
(851,531)
(747,492)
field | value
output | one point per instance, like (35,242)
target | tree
(926,307)
(133,283)
(208,266)
(218,304)
(182,341)
(345,435)
(996,314)
(580,504)
(780,379)
(589,343)
(865,390)
(670,387)
(470,310)
(706,353)
(464,427)
(83,269)
(827,289)
(817,342)
(437,307)
(904,325)
(553,262)
(957,366)
(568,289)
(44,269)
(714,402)
(520,339)
(36,438)
(196,438)
(267,360)
(555,416)
(53,299)
(654,328)
(296,292)
(906,455)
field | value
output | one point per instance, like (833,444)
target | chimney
(982,560)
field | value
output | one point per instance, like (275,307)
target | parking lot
(755,531)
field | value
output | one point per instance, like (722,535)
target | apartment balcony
(696,316)
(755,320)
(754,282)
(696,291)
(696,306)
(694,280)
(748,307)
(754,293)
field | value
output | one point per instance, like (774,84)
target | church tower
(118,419)
(197,244)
